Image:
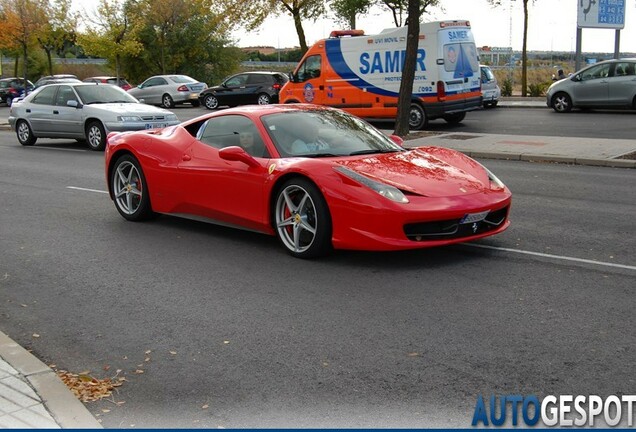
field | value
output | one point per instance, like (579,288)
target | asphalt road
(215,327)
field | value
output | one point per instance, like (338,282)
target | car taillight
(276,86)
(441,91)
(183,88)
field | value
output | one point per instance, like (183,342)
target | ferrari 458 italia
(315,177)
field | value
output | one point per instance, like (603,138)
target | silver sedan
(83,111)
(169,90)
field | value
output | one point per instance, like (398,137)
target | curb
(612,163)
(58,400)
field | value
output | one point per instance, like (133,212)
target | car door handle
(56,112)
(321,87)
(28,110)
(186,158)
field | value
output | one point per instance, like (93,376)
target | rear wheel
(95,136)
(211,102)
(25,134)
(302,220)
(562,102)
(166,101)
(454,118)
(130,190)
(263,99)
(417,117)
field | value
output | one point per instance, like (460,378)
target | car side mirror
(293,77)
(72,103)
(142,101)
(236,153)
(397,139)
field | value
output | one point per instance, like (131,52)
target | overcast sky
(552,26)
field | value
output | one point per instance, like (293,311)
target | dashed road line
(86,189)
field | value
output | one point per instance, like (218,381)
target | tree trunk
(50,62)
(26,69)
(408,72)
(524,53)
(300,31)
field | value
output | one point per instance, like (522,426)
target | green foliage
(506,87)
(538,89)
(347,10)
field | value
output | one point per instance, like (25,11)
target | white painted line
(557,257)
(85,189)
(55,148)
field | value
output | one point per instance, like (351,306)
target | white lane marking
(557,257)
(87,190)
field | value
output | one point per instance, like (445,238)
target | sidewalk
(32,396)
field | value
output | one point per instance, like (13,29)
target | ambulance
(361,73)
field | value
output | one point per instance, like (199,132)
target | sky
(552,26)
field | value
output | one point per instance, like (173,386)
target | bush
(506,88)
(536,90)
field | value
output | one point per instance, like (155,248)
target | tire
(95,136)
(25,134)
(562,102)
(166,101)
(130,190)
(196,103)
(263,99)
(211,102)
(454,118)
(417,117)
(301,219)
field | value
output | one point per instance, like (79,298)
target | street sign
(601,14)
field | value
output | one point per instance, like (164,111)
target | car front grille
(454,228)
(153,118)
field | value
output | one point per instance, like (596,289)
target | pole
(577,56)
(617,44)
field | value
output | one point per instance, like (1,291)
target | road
(214,327)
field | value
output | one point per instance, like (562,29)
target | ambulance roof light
(341,33)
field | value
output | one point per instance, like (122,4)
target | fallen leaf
(206,406)
(23,305)
(226,342)
(413,354)
(107,368)
(35,335)
(148,352)
(88,388)
(147,359)
(173,352)
(52,366)
(105,410)
(139,371)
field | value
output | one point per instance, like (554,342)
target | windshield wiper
(371,151)
(318,155)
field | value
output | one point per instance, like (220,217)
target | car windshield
(324,133)
(182,79)
(90,94)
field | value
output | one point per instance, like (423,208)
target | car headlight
(129,118)
(171,117)
(495,183)
(387,191)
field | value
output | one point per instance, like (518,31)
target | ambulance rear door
(460,68)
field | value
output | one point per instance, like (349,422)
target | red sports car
(316,177)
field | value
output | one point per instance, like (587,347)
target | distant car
(607,84)
(121,82)
(12,88)
(490,90)
(169,90)
(260,88)
(83,111)
(51,79)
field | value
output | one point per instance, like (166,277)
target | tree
(347,10)
(110,34)
(397,8)
(524,51)
(408,72)
(252,14)
(59,28)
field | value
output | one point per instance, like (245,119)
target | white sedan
(83,111)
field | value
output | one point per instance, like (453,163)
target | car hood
(430,171)
(127,108)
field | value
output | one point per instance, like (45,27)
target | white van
(361,73)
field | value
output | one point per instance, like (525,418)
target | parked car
(315,177)
(121,82)
(83,111)
(169,90)
(490,90)
(607,84)
(51,79)
(245,88)
(12,88)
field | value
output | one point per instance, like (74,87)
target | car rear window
(113,81)
(182,79)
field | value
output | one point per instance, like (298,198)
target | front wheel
(263,99)
(417,117)
(130,190)
(95,136)
(25,134)
(562,103)
(166,101)
(211,102)
(302,219)
(454,118)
